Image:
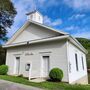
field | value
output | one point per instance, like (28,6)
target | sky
(71,16)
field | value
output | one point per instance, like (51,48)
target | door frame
(15,62)
(43,66)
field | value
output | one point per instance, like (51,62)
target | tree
(7,14)
(2,55)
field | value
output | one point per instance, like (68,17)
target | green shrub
(3,69)
(56,74)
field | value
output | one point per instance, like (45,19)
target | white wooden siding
(73,73)
(56,50)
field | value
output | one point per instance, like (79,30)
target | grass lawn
(46,85)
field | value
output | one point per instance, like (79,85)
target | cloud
(49,3)
(49,22)
(54,2)
(77,16)
(22,7)
(72,28)
(57,22)
(42,1)
(77,31)
(78,4)
(82,34)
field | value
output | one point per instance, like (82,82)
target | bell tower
(35,16)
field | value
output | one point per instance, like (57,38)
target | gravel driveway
(7,85)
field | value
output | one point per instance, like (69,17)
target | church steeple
(35,16)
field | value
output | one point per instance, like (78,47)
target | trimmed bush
(56,74)
(3,69)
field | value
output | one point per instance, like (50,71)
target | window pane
(82,63)
(17,57)
(76,62)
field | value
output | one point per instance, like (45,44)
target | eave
(36,41)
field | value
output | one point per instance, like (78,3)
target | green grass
(46,85)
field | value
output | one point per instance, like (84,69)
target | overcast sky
(72,16)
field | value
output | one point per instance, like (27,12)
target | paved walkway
(7,85)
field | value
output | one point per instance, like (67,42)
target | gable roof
(29,22)
(64,36)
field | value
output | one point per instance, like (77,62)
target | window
(82,63)
(27,67)
(76,59)
(17,65)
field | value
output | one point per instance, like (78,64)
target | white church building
(36,48)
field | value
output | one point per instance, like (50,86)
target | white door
(45,66)
(17,65)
